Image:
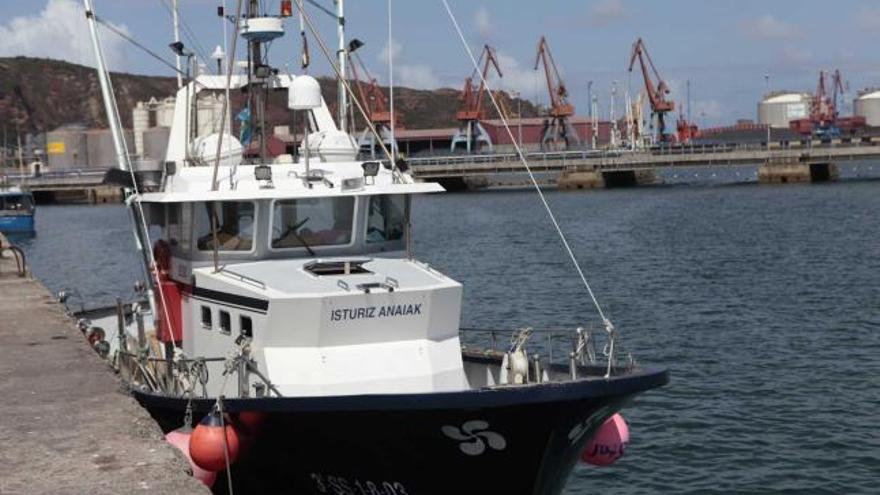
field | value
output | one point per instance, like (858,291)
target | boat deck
(67,427)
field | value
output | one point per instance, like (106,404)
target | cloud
(516,77)
(390,51)
(418,76)
(483,22)
(59,31)
(606,12)
(768,27)
(791,56)
(868,19)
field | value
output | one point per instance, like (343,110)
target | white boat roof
(193,184)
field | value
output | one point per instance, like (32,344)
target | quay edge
(68,427)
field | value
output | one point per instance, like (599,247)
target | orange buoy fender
(207,446)
(180,439)
(608,444)
(249,422)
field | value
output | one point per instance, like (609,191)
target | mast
(256,83)
(140,235)
(341,59)
(107,90)
(175,16)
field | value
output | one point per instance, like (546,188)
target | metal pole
(767,79)
(391,89)
(106,90)
(590,97)
(340,55)
(175,15)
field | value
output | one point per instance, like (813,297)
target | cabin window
(387,218)
(299,223)
(20,203)
(207,322)
(235,225)
(225,322)
(246,326)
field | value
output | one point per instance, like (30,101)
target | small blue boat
(16,211)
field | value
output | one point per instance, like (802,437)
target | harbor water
(764,303)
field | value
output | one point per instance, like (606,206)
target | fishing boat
(285,308)
(16,211)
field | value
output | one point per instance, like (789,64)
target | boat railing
(590,346)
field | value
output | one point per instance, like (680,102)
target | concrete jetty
(66,425)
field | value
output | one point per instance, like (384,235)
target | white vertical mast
(341,56)
(107,90)
(175,15)
(391,88)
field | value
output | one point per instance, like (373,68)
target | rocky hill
(39,95)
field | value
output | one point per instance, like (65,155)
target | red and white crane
(658,95)
(558,128)
(471,133)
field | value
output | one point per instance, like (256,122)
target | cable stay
(609,326)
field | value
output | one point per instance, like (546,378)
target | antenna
(391,87)
(175,17)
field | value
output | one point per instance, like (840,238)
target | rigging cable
(345,83)
(125,160)
(608,325)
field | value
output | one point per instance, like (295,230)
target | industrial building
(778,109)
(74,147)
(867,105)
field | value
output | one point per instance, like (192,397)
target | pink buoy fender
(609,443)
(180,439)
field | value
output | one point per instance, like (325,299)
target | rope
(225,444)
(608,325)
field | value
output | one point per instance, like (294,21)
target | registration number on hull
(341,485)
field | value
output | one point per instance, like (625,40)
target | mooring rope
(608,325)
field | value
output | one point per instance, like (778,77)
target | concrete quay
(67,425)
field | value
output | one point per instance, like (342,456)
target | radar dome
(304,93)
(205,150)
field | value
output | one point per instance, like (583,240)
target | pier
(68,427)
(778,163)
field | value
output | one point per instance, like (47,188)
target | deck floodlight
(262,71)
(354,44)
(178,48)
(263,172)
(371,169)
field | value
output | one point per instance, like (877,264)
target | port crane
(374,101)
(558,128)
(471,133)
(825,119)
(658,95)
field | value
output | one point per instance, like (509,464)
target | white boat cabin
(314,270)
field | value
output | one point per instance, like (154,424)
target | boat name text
(369,312)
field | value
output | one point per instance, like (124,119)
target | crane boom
(559,105)
(656,93)
(472,101)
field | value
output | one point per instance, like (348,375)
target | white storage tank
(867,105)
(778,109)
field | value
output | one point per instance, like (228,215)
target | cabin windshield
(235,225)
(16,202)
(300,223)
(387,218)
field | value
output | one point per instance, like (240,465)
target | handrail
(18,254)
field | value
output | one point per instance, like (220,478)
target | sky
(724,48)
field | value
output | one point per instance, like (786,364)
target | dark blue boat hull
(11,224)
(504,440)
